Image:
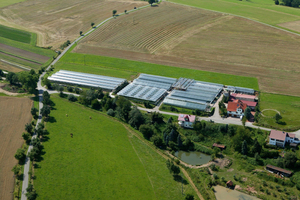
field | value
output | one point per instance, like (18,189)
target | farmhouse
(278,170)
(279,138)
(236,108)
(186,121)
(250,100)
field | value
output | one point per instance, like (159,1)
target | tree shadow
(45,138)
(36,166)
(51,119)
(180,179)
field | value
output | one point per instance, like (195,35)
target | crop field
(15,34)
(202,40)
(10,68)
(57,21)
(102,160)
(15,113)
(260,10)
(4,3)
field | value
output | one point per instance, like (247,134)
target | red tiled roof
(280,135)
(232,106)
(184,117)
(219,145)
(250,103)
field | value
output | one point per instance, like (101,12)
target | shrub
(111,112)
(72,98)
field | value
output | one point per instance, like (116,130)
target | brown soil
(22,60)
(15,113)
(295,26)
(217,43)
(57,21)
(10,68)
(24,53)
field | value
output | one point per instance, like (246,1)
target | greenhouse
(241,90)
(87,80)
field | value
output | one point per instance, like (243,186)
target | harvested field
(199,39)
(295,25)
(23,53)
(15,113)
(8,67)
(57,21)
(18,59)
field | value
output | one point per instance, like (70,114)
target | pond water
(223,193)
(193,157)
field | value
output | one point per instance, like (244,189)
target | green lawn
(15,34)
(4,3)
(92,61)
(101,161)
(288,106)
(261,10)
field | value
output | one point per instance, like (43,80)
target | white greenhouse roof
(87,80)
(184,104)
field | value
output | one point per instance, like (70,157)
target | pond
(193,157)
(223,193)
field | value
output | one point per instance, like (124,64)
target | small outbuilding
(222,147)
(278,170)
(229,183)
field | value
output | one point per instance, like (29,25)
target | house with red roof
(250,100)
(280,138)
(186,121)
(236,108)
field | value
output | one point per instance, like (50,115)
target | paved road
(41,89)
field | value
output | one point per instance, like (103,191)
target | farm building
(249,100)
(87,80)
(236,108)
(280,138)
(240,90)
(193,94)
(222,147)
(186,121)
(278,170)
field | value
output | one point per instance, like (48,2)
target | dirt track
(14,114)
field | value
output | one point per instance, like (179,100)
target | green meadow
(15,34)
(4,3)
(288,106)
(102,160)
(86,62)
(260,10)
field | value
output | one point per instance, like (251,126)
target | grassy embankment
(102,160)
(260,10)
(25,41)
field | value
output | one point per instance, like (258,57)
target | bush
(111,112)
(72,98)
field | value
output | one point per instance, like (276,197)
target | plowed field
(14,114)
(57,21)
(187,37)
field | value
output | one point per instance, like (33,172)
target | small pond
(193,157)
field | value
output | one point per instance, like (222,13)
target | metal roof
(158,79)
(189,105)
(241,89)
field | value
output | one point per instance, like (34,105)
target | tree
(80,33)
(46,98)
(244,148)
(28,128)
(72,98)
(34,111)
(290,159)
(136,119)
(179,141)
(12,77)
(248,113)
(256,148)
(111,112)
(20,155)
(278,117)
(26,136)
(244,120)
(125,11)
(157,140)
(197,127)
(114,12)
(151,2)
(189,197)
(157,117)
(146,130)
(16,169)
(34,153)
(276,2)
(47,83)
(96,104)
(1,73)
(172,168)
(172,135)
(124,107)
(92,24)
(170,120)
(45,111)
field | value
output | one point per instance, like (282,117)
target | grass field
(203,40)
(288,106)
(57,21)
(15,34)
(101,161)
(4,3)
(15,113)
(92,61)
(261,10)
